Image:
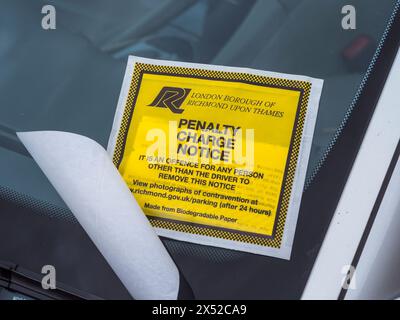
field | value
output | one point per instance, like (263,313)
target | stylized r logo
(171,97)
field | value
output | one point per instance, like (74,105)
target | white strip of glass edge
(359,194)
(376,275)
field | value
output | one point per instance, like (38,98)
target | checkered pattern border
(303,86)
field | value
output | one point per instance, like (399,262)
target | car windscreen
(69,79)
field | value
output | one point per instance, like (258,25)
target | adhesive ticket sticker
(216,155)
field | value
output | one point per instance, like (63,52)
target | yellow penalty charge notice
(216,155)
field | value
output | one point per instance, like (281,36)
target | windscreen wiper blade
(21,281)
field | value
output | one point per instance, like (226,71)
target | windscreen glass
(69,79)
